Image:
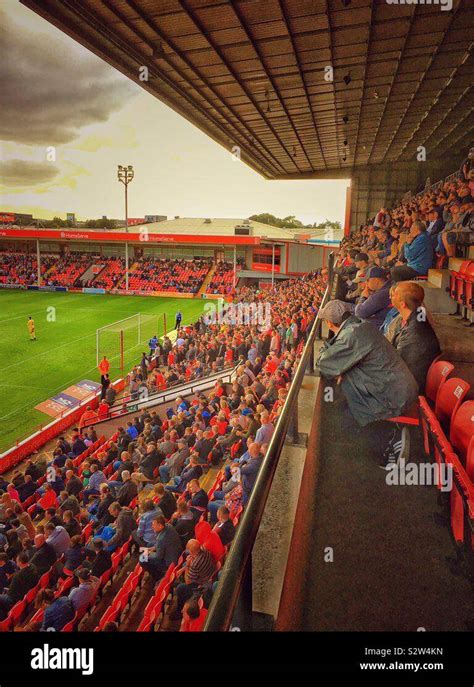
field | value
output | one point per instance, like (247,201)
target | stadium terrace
(213,424)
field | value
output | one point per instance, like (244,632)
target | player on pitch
(31,328)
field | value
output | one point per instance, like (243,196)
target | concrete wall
(303,258)
(384,185)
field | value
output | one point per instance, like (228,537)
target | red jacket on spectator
(103,410)
(160,381)
(194,625)
(48,500)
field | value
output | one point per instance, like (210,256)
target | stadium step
(207,281)
(437,299)
(92,272)
(455,264)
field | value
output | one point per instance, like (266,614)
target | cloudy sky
(68,119)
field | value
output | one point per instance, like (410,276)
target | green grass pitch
(65,349)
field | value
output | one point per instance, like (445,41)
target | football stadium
(215,424)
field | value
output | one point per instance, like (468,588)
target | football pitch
(65,349)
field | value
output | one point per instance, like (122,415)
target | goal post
(117,339)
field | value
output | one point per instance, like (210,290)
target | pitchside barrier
(156,294)
(129,405)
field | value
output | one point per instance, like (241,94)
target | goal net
(121,340)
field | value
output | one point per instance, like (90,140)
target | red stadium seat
(147,624)
(469,287)
(16,612)
(105,579)
(121,600)
(71,625)
(462,429)
(155,605)
(31,595)
(44,580)
(5,624)
(64,587)
(109,616)
(202,531)
(461,502)
(449,398)
(470,461)
(215,546)
(437,375)
(461,281)
(116,560)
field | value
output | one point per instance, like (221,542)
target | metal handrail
(231,580)
(178,386)
(127,405)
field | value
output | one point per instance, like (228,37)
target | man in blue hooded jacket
(418,254)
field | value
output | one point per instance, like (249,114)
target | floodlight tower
(125,175)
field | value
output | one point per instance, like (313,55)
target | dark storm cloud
(51,87)
(24,172)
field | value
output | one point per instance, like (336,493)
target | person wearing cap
(375,381)
(375,300)
(361,261)
(418,254)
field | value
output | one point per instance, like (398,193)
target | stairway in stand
(122,281)
(206,282)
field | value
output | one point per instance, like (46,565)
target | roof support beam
(453,14)
(270,78)
(394,78)
(364,79)
(248,134)
(199,24)
(284,14)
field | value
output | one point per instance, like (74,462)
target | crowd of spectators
(156,274)
(206,348)
(65,269)
(146,273)
(222,281)
(419,233)
(111,275)
(380,346)
(161,458)
(382,341)
(18,268)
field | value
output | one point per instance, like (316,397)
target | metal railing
(232,599)
(132,404)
